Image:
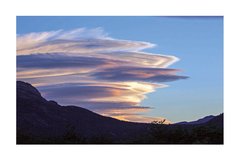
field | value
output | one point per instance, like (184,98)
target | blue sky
(196,41)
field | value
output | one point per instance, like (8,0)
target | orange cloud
(134,114)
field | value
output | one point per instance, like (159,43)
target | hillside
(45,122)
(199,121)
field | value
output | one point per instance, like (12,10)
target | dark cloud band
(56,60)
(156,75)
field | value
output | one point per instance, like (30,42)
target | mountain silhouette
(46,119)
(46,122)
(199,121)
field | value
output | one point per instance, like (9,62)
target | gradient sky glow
(125,64)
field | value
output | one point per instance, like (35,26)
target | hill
(46,122)
(199,121)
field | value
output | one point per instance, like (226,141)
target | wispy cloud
(78,41)
(87,67)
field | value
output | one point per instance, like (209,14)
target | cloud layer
(88,68)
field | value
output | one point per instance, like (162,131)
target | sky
(131,68)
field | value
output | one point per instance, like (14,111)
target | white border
(9,9)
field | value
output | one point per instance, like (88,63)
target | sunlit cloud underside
(87,68)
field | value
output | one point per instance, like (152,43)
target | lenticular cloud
(86,67)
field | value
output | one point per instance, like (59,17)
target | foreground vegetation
(155,133)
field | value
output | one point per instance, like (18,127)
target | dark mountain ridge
(199,121)
(45,122)
(46,119)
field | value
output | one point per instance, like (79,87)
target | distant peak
(199,121)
